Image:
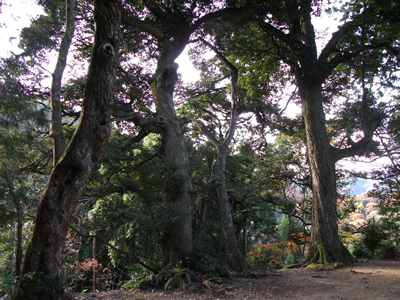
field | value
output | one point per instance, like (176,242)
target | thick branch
(219,54)
(147,125)
(218,14)
(363,147)
(268,28)
(56,133)
(290,128)
(204,129)
(331,46)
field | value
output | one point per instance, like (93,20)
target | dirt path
(377,279)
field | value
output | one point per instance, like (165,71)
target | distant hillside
(362,186)
(366,207)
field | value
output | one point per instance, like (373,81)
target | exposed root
(210,286)
(320,255)
(181,278)
(325,267)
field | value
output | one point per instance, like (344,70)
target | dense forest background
(116,172)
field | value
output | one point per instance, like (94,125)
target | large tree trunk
(178,240)
(172,29)
(56,132)
(299,51)
(325,245)
(66,182)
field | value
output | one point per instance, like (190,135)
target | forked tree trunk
(172,39)
(325,245)
(177,242)
(312,69)
(43,256)
(178,239)
(235,258)
(56,133)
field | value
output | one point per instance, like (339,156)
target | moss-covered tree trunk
(325,245)
(178,239)
(43,256)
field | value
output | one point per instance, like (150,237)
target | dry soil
(376,279)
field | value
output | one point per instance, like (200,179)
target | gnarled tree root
(319,254)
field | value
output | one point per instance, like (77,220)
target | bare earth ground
(376,279)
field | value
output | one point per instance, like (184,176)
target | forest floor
(375,279)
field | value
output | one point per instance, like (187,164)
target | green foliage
(202,258)
(137,276)
(387,189)
(7,284)
(127,206)
(284,230)
(24,162)
(371,243)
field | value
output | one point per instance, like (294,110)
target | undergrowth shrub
(202,258)
(137,274)
(272,256)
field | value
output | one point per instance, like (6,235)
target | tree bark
(202,219)
(178,240)
(68,178)
(235,258)
(56,133)
(325,245)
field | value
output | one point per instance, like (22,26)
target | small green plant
(138,275)
(8,283)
